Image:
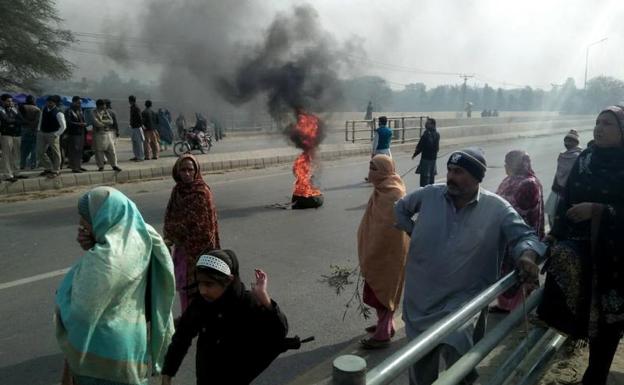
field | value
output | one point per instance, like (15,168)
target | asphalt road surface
(294,247)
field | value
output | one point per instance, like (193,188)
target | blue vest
(385,136)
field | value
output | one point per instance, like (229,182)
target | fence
(404,129)
(523,366)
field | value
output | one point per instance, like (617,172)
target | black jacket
(75,120)
(428,145)
(238,338)
(135,116)
(10,122)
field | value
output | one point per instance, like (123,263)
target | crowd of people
(437,247)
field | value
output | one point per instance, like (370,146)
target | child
(240,331)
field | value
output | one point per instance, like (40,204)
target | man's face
(428,125)
(460,182)
(77,104)
(8,103)
(50,104)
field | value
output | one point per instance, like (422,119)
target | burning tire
(300,203)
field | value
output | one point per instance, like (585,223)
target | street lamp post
(587,58)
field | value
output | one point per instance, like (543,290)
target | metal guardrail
(402,129)
(351,370)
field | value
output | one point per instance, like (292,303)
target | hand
(259,288)
(580,212)
(165,380)
(413,156)
(85,238)
(528,269)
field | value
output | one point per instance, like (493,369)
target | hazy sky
(503,43)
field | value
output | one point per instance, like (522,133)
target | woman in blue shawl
(113,308)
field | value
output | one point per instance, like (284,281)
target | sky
(503,43)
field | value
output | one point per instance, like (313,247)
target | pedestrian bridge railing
(404,129)
(523,366)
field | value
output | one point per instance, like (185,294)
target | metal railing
(404,129)
(524,364)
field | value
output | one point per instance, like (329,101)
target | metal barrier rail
(351,370)
(396,124)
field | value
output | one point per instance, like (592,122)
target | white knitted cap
(212,262)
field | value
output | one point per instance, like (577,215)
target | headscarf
(104,302)
(382,248)
(191,216)
(523,190)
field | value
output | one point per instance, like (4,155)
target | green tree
(31,43)
(603,91)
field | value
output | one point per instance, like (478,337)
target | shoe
(147,159)
(11,179)
(79,171)
(45,172)
(133,159)
(83,169)
(154,158)
(21,177)
(371,344)
(101,169)
(116,168)
(52,175)
(373,328)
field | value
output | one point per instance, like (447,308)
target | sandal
(373,328)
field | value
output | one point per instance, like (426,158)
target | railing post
(402,130)
(353,131)
(346,130)
(349,370)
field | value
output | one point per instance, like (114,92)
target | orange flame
(307,130)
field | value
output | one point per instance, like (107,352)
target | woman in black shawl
(584,291)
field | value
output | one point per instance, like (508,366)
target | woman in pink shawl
(523,191)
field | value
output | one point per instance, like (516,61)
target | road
(294,247)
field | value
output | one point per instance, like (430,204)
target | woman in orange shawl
(190,224)
(382,250)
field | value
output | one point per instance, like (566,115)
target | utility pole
(587,58)
(465,77)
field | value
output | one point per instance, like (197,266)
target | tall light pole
(587,58)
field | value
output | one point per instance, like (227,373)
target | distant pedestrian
(382,250)
(456,245)
(10,138)
(136,131)
(51,126)
(150,122)
(164,129)
(565,161)
(113,308)
(75,135)
(103,137)
(181,125)
(523,190)
(113,115)
(218,128)
(369,111)
(191,224)
(428,146)
(30,124)
(240,332)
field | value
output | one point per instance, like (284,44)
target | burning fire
(306,133)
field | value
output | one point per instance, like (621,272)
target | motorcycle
(193,140)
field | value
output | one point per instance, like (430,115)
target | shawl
(565,161)
(523,190)
(104,302)
(382,248)
(191,216)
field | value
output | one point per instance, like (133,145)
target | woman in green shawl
(113,308)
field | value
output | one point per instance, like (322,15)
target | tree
(31,43)
(603,91)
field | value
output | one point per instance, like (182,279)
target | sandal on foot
(371,343)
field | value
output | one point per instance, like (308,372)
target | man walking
(382,138)
(75,135)
(103,138)
(10,131)
(51,127)
(428,146)
(30,124)
(150,122)
(136,128)
(456,247)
